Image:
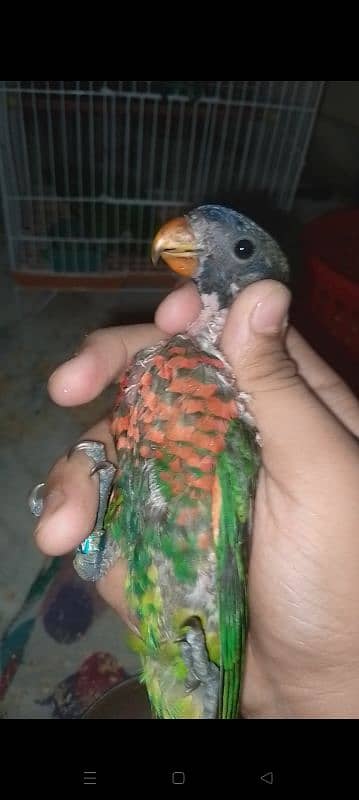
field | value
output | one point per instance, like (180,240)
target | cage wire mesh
(89,169)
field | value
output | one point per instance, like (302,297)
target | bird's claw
(93,557)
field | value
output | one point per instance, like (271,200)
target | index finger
(106,353)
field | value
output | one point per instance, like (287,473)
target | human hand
(303,642)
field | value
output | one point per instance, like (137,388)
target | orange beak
(175,243)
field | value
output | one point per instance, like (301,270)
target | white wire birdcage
(89,169)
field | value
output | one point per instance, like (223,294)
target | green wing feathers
(236,474)
(180,444)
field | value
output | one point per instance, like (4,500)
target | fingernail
(66,378)
(270,315)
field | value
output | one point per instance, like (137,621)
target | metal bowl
(127,700)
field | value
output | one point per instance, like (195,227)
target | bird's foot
(202,673)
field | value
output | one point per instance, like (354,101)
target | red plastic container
(331,263)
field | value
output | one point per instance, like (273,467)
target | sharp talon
(96,451)
(35,501)
(191,685)
(102,465)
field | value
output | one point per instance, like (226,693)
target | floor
(60,645)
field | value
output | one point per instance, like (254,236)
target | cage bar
(89,169)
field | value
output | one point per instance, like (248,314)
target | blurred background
(88,171)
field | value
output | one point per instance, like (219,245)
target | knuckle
(272,371)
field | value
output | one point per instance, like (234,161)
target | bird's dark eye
(244,249)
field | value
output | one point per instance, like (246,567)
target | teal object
(77,257)
(16,636)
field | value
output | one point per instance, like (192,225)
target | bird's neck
(208,326)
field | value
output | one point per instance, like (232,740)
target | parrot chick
(181,506)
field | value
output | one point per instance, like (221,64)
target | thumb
(296,428)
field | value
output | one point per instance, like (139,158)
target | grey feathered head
(221,250)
